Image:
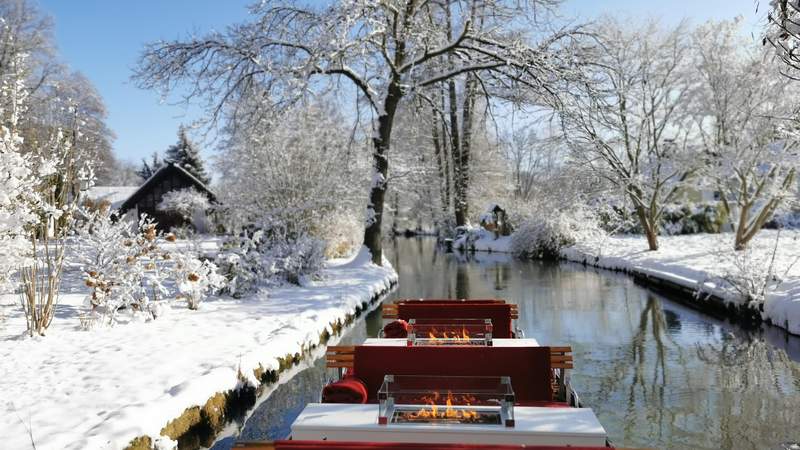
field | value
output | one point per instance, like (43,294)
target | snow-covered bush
(16,183)
(190,204)
(676,219)
(293,259)
(788,218)
(240,263)
(545,235)
(195,278)
(692,219)
(41,192)
(753,272)
(123,266)
(342,233)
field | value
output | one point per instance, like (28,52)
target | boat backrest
(502,315)
(529,367)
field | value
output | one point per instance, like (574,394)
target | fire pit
(449,332)
(435,400)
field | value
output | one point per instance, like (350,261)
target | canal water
(656,373)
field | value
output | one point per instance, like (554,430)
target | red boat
(447,374)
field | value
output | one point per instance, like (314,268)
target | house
(146,198)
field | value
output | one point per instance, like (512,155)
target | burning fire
(434,412)
(453,336)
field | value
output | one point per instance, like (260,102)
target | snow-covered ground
(482,240)
(76,389)
(705,262)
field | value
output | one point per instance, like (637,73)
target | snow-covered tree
(185,155)
(384,52)
(628,119)
(743,112)
(295,173)
(59,99)
(189,203)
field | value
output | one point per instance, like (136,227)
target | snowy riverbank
(706,262)
(77,389)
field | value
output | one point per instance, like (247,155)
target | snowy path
(75,389)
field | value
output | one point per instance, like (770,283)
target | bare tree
(384,51)
(743,110)
(627,118)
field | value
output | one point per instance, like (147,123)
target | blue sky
(103,38)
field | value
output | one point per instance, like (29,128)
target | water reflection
(656,373)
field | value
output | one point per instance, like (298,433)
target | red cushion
(395,330)
(499,313)
(528,367)
(346,390)
(313,445)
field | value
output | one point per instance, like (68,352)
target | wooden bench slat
(343,357)
(339,365)
(561,366)
(560,349)
(561,358)
(341,348)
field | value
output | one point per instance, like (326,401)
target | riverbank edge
(711,301)
(221,408)
(708,303)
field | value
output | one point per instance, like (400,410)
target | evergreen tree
(148,170)
(185,155)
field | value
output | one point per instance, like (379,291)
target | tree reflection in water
(716,389)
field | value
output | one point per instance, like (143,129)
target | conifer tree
(185,155)
(147,170)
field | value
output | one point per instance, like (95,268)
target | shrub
(190,204)
(676,219)
(120,262)
(545,235)
(295,259)
(240,263)
(196,278)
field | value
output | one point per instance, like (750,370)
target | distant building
(145,199)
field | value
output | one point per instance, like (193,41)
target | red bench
(500,313)
(537,373)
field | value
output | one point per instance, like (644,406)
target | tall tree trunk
(462,180)
(380,144)
(646,220)
(439,149)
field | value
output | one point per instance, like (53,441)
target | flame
(457,337)
(433,412)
